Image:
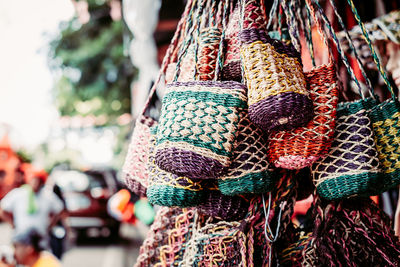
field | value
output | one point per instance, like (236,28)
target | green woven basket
(250,171)
(351,167)
(167,189)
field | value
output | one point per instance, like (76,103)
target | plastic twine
(268,233)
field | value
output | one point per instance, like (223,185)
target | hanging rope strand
(371,47)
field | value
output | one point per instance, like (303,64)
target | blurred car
(86,195)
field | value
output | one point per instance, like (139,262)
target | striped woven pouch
(198,127)
(351,167)
(221,206)
(167,189)
(277,92)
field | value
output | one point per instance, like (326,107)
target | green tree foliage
(94,72)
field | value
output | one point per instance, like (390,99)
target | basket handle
(292,23)
(320,29)
(371,47)
(188,32)
(337,43)
(368,82)
(169,54)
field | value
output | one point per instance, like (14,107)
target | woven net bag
(299,148)
(250,171)
(135,166)
(385,119)
(351,167)
(167,189)
(198,127)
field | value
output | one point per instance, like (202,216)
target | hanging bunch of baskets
(243,123)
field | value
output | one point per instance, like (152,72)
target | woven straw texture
(250,171)
(277,93)
(210,39)
(198,127)
(167,189)
(217,244)
(292,255)
(223,207)
(135,165)
(302,146)
(385,119)
(254,16)
(157,236)
(351,167)
(172,251)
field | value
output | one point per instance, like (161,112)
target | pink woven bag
(135,168)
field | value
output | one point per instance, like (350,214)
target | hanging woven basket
(198,127)
(302,146)
(385,119)
(136,161)
(351,167)
(277,92)
(167,189)
(250,172)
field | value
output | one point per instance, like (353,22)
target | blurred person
(60,230)
(29,252)
(32,206)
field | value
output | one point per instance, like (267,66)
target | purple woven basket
(277,91)
(224,207)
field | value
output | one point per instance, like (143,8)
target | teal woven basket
(167,189)
(250,171)
(198,127)
(351,167)
(385,119)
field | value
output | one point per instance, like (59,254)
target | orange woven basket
(302,146)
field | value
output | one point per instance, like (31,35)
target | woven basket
(198,127)
(167,189)
(385,119)
(136,161)
(250,171)
(351,167)
(232,70)
(302,146)
(209,41)
(277,94)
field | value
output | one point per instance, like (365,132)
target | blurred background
(74,74)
